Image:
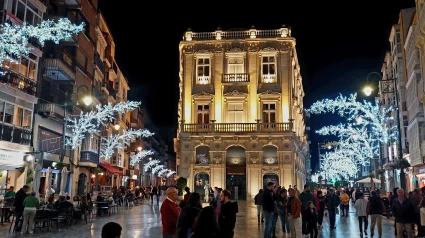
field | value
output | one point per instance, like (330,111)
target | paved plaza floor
(145,221)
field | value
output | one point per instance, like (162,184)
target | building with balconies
(18,88)
(67,75)
(240,111)
(394,68)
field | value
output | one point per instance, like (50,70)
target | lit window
(203,114)
(268,69)
(203,71)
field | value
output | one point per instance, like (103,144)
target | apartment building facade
(240,111)
(18,80)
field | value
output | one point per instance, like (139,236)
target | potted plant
(402,163)
(181,184)
(59,165)
(380,171)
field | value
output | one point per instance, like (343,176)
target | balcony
(89,158)
(51,110)
(113,71)
(18,81)
(13,134)
(97,94)
(243,34)
(203,80)
(237,127)
(60,68)
(235,78)
(99,63)
(268,78)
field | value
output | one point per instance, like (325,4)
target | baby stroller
(387,208)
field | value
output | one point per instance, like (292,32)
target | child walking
(310,213)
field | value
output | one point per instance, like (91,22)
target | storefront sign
(12,158)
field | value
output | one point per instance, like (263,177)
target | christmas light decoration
(119,141)
(90,122)
(162,171)
(382,126)
(14,39)
(337,165)
(353,139)
(139,156)
(150,164)
(171,173)
(157,168)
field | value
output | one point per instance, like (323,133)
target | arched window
(202,155)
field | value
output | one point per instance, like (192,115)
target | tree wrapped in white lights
(162,172)
(150,164)
(382,126)
(139,156)
(336,165)
(171,173)
(157,168)
(14,39)
(353,140)
(90,122)
(119,141)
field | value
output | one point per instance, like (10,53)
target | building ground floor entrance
(236,183)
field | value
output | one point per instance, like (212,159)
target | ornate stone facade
(240,110)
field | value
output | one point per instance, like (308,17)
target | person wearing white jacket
(361,205)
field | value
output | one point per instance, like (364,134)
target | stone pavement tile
(145,221)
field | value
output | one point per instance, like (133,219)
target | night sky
(338,45)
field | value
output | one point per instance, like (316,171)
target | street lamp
(368,89)
(117,127)
(139,148)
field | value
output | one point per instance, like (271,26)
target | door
(235,113)
(236,184)
(82,183)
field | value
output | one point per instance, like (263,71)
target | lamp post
(389,86)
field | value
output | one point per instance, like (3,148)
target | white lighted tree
(139,156)
(162,172)
(171,173)
(337,165)
(378,118)
(354,140)
(119,141)
(157,168)
(90,122)
(14,39)
(151,164)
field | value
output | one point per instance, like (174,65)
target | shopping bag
(422,212)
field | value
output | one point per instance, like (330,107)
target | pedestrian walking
(305,197)
(311,217)
(375,209)
(361,207)
(332,202)
(258,201)
(403,212)
(294,213)
(268,209)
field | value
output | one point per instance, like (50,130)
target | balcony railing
(17,81)
(18,135)
(269,78)
(236,78)
(89,156)
(61,68)
(99,63)
(203,80)
(241,34)
(237,127)
(51,110)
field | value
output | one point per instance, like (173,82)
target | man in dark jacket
(375,208)
(332,202)
(18,206)
(403,212)
(258,201)
(305,197)
(268,209)
(227,215)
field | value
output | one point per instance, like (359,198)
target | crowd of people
(308,208)
(190,219)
